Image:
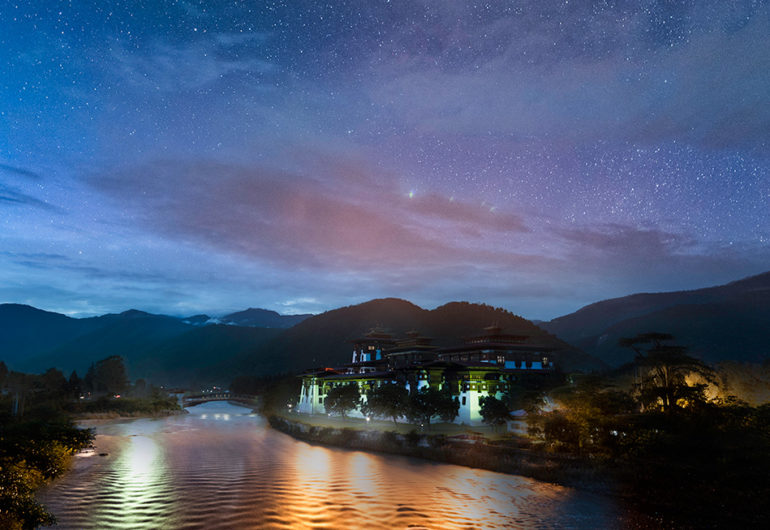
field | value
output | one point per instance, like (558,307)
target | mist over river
(221,466)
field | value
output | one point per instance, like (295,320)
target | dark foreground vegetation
(38,435)
(696,460)
(659,433)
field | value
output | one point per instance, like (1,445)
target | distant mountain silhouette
(161,348)
(262,318)
(725,323)
(201,355)
(26,331)
(176,351)
(129,334)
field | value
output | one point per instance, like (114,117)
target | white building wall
(470,412)
(309,400)
(303,407)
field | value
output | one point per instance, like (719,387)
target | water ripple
(221,467)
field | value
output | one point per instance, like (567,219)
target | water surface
(222,467)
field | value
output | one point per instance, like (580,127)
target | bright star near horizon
(182,160)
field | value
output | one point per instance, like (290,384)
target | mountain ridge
(166,349)
(726,322)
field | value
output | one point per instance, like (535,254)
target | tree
(140,389)
(526,391)
(75,385)
(591,415)
(388,400)
(3,373)
(662,373)
(447,405)
(88,380)
(429,402)
(341,399)
(494,411)
(107,376)
(18,385)
(52,383)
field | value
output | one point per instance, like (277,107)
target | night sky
(186,157)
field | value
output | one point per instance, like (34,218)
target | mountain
(262,318)
(725,323)
(201,355)
(26,331)
(160,348)
(175,351)
(128,334)
(325,339)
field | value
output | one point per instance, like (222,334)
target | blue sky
(186,157)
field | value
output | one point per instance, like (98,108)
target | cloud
(347,224)
(701,84)
(14,197)
(166,67)
(616,260)
(349,233)
(623,240)
(20,171)
(60,263)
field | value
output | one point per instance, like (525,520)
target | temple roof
(498,346)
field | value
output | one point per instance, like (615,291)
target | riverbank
(34,451)
(221,466)
(512,456)
(115,415)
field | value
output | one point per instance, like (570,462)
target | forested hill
(725,323)
(325,339)
(160,348)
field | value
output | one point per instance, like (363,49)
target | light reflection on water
(221,467)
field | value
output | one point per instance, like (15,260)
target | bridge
(192,399)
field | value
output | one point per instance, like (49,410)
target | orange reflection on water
(363,470)
(307,500)
(196,472)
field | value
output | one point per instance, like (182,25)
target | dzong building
(484,365)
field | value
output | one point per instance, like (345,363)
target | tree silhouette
(341,399)
(662,371)
(429,402)
(107,376)
(388,400)
(494,411)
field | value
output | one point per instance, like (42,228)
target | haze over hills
(251,317)
(725,323)
(263,318)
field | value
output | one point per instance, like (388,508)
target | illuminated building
(485,365)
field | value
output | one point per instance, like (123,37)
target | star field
(185,157)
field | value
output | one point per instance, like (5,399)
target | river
(221,466)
